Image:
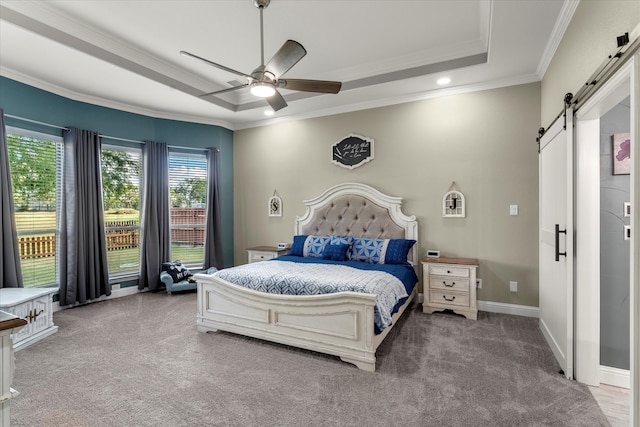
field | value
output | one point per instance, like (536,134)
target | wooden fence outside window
(44,246)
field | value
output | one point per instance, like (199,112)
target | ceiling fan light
(262,89)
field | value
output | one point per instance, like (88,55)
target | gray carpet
(139,361)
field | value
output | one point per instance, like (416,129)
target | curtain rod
(100,135)
(34,121)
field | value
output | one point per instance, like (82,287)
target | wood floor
(614,402)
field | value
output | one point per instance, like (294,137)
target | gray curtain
(156,237)
(213,256)
(10,272)
(84,274)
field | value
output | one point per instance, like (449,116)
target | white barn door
(556,237)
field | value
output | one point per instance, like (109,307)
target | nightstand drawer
(450,298)
(264,253)
(449,283)
(261,256)
(447,270)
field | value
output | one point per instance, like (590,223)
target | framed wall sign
(352,151)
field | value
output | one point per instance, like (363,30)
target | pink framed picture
(622,154)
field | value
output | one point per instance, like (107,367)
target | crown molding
(562,23)
(108,103)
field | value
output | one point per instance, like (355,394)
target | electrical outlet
(479,283)
(513,286)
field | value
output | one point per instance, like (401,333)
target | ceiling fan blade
(218,92)
(322,86)
(276,101)
(222,67)
(289,54)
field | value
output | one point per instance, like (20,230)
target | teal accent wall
(19,99)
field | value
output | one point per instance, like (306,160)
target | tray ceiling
(125,54)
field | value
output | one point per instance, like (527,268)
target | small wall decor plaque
(352,151)
(453,203)
(275,205)
(622,154)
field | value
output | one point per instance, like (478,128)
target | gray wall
(589,39)
(485,141)
(614,250)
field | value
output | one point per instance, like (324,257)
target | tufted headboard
(358,210)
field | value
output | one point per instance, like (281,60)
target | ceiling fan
(265,80)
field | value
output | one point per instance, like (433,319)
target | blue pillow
(308,246)
(367,250)
(381,251)
(397,251)
(335,252)
(297,247)
(340,240)
(314,245)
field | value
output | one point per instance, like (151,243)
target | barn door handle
(558,253)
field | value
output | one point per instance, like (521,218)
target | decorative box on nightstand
(33,305)
(450,283)
(263,253)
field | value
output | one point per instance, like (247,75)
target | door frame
(587,217)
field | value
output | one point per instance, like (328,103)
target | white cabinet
(263,253)
(33,305)
(450,284)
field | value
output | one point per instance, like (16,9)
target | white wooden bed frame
(340,324)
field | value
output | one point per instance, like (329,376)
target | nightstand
(263,253)
(450,284)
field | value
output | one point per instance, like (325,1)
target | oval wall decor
(352,151)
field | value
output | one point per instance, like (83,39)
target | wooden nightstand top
(10,321)
(445,260)
(266,249)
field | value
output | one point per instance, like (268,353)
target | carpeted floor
(139,361)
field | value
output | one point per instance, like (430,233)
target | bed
(339,323)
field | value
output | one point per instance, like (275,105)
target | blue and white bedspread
(294,278)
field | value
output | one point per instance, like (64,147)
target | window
(35,160)
(188,196)
(121,184)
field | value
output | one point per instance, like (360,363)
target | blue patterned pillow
(367,250)
(335,252)
(314,245)
(381,251)
(343,240)
(397,251)
(297,248)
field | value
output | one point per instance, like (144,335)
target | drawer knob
(447,299)
(448,272)
(449,285)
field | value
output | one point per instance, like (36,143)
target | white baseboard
(116,292)
(615,377)
(500,307)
